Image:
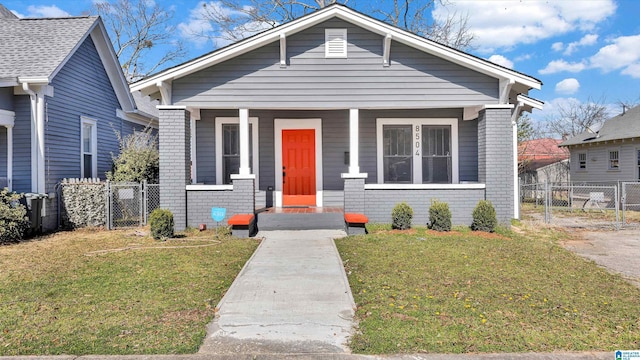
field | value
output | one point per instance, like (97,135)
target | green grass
(458,292)
(62,295)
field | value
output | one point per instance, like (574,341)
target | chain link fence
(583,205)
(129,204)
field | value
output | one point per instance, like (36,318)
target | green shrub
(161,222)
(484,217)
(439,216)
(13,217)
(401,216)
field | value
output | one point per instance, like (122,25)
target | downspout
(34,140)
(37,138)
(516,185)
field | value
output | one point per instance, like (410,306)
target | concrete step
(292,221)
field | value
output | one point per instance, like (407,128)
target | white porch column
(245,168)
(9,157)
(354,142)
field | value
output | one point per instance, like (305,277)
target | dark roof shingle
(623,126)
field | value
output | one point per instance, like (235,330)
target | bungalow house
(541,160)
(337,109)
(62,97)
(610,154)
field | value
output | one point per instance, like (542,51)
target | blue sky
(580,50)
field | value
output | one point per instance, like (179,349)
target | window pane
(436,155)
(397,154)
(86,138)
(88,166)
(231,150)
(436,169)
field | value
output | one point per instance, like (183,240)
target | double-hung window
(228,148)
(88,148)
(614,163)
(417,151)
(582,161)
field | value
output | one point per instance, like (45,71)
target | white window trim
(417,159)
(586,161)
(329,33)
(94,145)
(609,151)
(253,121)
(292,124)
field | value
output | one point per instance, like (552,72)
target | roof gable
(35,50)
(507,76)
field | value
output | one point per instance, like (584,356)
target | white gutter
(516,185)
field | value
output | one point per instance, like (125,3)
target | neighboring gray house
(610,154)
(337,109)
(62,95)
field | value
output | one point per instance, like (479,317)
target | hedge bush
(401,216)
(484,217)
(84,203)
(161,222)
(439,216)
(14,222)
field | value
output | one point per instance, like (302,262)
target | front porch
(361,161)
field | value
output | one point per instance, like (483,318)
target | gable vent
(335,43)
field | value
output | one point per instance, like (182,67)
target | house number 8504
(417,140)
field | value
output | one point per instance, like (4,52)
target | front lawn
(457,292)
(113,292)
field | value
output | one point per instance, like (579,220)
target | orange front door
(298,167)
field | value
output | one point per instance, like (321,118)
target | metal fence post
(108,193)
(145,203)
(617,204)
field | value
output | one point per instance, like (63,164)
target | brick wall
(379,203)
(175,163)
(354,198)
(495,160)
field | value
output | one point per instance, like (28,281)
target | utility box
(34,203)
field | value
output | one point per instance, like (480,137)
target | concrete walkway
(292,296)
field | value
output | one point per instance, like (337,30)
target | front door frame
(297,124)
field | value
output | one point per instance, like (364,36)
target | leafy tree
(136,27)
(139,158)
(526,129)
(233,20)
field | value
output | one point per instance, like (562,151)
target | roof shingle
(36,47)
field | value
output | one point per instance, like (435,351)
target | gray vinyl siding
(598,162)
(6,99)
(82,88)
(468,149)
(3,153)
(414,80)
(335,142)
(22,145)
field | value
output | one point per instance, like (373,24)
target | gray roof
(6,14)
(623,126)
(145,104)
(36,47)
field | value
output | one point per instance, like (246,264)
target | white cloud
(622,53)
(556,66)
(632,70)
(505,23)
(501,60)
(568,86)
(586,40)
(557,46)
(44,11)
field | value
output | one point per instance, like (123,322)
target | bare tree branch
(574,118)
(135,28)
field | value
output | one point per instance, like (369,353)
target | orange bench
(355,223)
(242,225)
